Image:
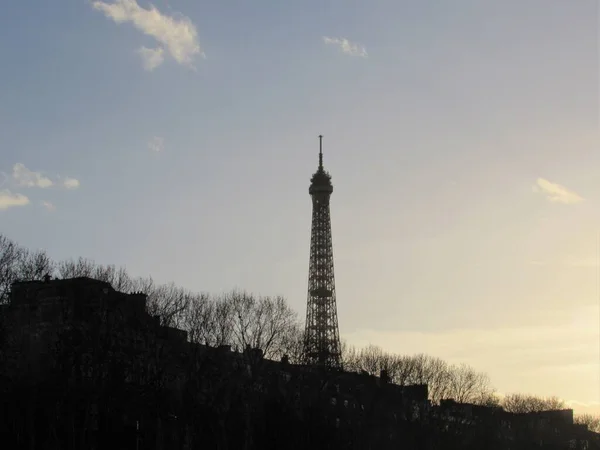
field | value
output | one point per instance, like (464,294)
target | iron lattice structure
(321,336)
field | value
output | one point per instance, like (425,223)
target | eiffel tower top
(321,180)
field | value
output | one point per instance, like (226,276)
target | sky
(178,138)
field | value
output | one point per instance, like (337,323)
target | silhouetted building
(88,315)
(501,429)
(81,362)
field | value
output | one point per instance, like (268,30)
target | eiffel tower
(321,336)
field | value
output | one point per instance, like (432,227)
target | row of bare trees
(459,382)
(237,318)
(523,403)
(241,319)
(19,263)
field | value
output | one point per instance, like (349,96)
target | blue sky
(462,138)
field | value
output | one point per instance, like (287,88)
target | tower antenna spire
(320,152)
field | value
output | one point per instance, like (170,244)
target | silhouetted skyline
(463,135)
(92,367)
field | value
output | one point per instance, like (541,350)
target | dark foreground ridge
(86,367)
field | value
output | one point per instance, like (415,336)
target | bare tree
(242,306)
(222,322)
(466,385)
(592,421)
(523,403)
(433,372)
(72,268)
(275,320)
(374,359)
(118,278)
(418,369)
(198,320)
(490,399)
(143,284)
(292,344)
(169,302)
(10,254)
(33,265)
(350,357)
(20,264)
(402,369)
(261,322)
(371,359)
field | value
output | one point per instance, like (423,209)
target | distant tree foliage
(19,263)
(523,403)
(459,382)
(592,421)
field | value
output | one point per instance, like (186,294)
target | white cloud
(8,199)
(555,192)
(25,177)
(591,407)
(156,144)
(71,183)
(49,206)
(347,47)
(177,34)
(152,57)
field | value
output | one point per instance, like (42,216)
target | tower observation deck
(321,337)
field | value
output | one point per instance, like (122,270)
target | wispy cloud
(587,262)
(569,262)
(28,178)
(49,206)
(347,47)
(70,183)
(177,34)
(555,192)
(156,144)
(584,407)
(24,177)
(152,57)
(9,199)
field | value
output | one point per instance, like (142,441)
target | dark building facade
(103,367)
(499,429)
(83,367)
